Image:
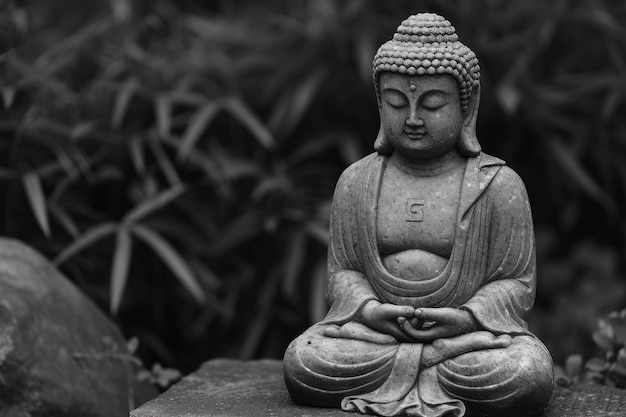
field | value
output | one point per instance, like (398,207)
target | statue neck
(430,167)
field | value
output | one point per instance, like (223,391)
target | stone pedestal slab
(256,388)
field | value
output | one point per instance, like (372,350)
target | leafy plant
(573,371)
(162,377)
(610,368)
(178,159)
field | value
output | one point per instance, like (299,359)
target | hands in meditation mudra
(431,263)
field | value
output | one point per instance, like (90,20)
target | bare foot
(443,349)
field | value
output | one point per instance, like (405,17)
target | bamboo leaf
(349,149)
(262,318)
(238,168)
(122,102)
(172,259)
(291,109)
(60,188)
(187,98)
(365,48)
(275,184)
(50,168)
(66,162)
(167,168)
(317,302)
(37,200)
(345,141)
(229,167)
(209,278)
(119,269)
(64,219)
(83,162)
(568,161)
(135,147)
(242,113)
(313,148)
(44,80)
(149,206)
(81,130)
(611,104)
(163,110)
(196,127)
(85,240)
(509,97)
(242,229)
(318,232)
(8,95)
(294,258)
(67,46)
(122,10)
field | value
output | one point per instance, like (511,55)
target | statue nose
(414,121)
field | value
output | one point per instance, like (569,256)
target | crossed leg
(516,380)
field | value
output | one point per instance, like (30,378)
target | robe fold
(490,273)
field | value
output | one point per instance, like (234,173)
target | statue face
(420,115)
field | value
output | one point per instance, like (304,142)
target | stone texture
(249,389)
(59,354)
(431,257)
(231,388)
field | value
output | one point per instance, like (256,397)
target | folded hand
(383,317)
(437,323)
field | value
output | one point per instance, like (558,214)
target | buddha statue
(431,260)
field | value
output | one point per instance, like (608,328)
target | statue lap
(324,370)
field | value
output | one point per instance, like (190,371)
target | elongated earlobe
(468,144)
(382,145)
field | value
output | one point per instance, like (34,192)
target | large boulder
(59,354)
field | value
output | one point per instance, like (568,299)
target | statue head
(426,45)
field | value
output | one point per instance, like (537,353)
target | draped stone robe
(490,273)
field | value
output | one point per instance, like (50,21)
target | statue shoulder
(508,179)
(355,172)
(508,191)
(505,177)
(350,184)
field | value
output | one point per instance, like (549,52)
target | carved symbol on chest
(415,210)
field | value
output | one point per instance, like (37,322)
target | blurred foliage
(608,369)
(177,159)
(611,339)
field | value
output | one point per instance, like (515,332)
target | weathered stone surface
(59,355)
(431,256)
(250,389)
(231,388)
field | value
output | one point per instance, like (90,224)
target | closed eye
(394,98)
(434,101)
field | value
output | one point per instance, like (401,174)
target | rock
(59,354)
(234,388)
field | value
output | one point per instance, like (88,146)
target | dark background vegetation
(177,158)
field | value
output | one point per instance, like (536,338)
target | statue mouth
(415,134)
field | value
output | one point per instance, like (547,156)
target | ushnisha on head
(427,44)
